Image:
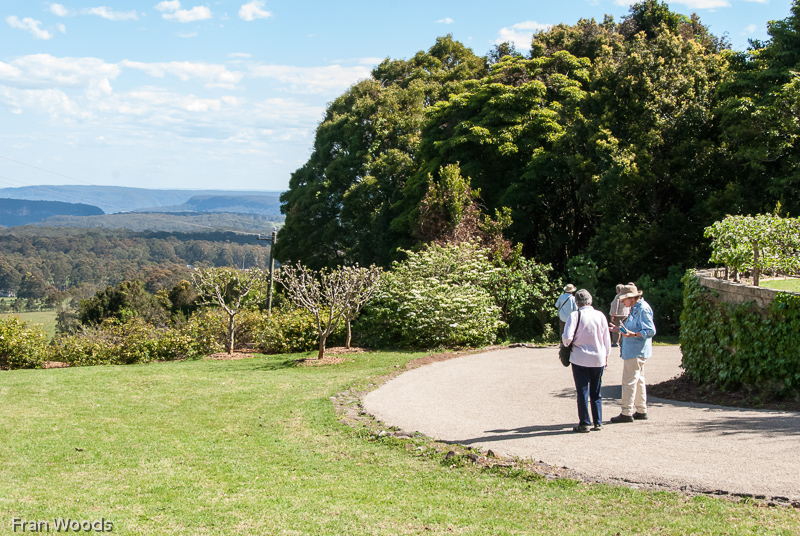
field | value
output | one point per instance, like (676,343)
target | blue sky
(227,94)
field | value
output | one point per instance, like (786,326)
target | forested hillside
(22,212)
(34,259)
(617,141)
(172,222)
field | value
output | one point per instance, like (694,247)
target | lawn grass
(790,285)
(254,447)
(47,319)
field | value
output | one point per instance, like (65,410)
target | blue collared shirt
(639,321)
(565,305)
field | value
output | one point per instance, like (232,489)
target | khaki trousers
(634,391)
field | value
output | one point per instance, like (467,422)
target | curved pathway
(521,402)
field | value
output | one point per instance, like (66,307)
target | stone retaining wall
(737,293)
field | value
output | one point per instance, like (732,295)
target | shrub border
(749,343)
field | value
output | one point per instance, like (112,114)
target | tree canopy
(617,141)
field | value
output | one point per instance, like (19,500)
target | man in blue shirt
(637,346)
(565,304)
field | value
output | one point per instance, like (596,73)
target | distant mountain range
(242,204)
(113,199)
(15,212)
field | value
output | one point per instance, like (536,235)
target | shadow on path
(520,433)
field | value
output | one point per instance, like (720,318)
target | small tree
(329,295)
(231,289)
(361,284)
(760,242)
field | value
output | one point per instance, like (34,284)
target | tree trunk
(321,348)
(230,332)
(756,269)
(347,344)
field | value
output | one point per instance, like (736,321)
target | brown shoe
(640,416)
(621,418)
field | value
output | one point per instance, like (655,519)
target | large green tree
(759,116)
(618,142)
(340,203)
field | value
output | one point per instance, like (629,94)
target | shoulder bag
(565,352)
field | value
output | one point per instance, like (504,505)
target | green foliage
(21,345)
(436,297)
(525,293)
(230,289)
(758,243)
(289,329)
(730,345)
(582,272)
(115,342)
(208,330)
(665,296)
(605,142)
(67,259)
(127,300)
(340,204)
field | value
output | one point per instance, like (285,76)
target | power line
(45,170)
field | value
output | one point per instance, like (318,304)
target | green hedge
(728,346)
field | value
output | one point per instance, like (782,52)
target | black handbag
(565,352)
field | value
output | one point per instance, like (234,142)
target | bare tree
(231,289)
(329,295)
(362,283)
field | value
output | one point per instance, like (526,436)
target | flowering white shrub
(436,297)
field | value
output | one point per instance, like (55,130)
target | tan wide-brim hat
(629,291)
(570,288)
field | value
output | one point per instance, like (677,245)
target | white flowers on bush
(437,297)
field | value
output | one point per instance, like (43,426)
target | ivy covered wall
(729,345)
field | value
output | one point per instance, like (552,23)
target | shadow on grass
(277,364)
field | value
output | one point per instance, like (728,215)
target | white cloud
(106,13)
(253,10)
(312,79)
(59,10)
(29,25)
(188,35)
(750,29)
(168,5)
(52,102)
(61,28)
(704,4)
(520,34)
(172,11)
(214,75)
(446,20)
(190,15)
(240,55)
(43,71)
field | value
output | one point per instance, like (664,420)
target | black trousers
(588,381)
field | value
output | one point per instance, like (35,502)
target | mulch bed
(684,389)
(333,356)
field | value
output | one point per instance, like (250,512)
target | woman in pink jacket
(588,328)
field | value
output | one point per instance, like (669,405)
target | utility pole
(272,240)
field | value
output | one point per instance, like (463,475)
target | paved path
(521,402)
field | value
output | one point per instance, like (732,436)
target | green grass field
(253,447)
(790,285)
(47,319)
